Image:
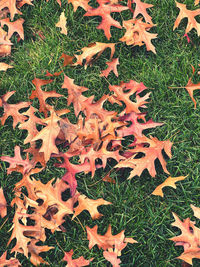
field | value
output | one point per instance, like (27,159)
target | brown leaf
(12,262)
(81,3)
(15,26)
(112,66)
(75,262)
(112,258)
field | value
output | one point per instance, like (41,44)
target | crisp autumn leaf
(168,182)
(17,163)
(11,5)
(196,211)
(136,127)
(196,2)
(190,15)
(3,204)
(85,203)
(30,124)
(48,135)
(137,33)
(81,3)
(112,66)
(141,8)
(67,59)
(43,95)
(74,94)
(112,258)
(151,152)
(35,250)
(4,66)
(91,50)
(23,2)
(107,241)
(15,26)
(75,262)
(62,23)
(13,110)
(190,87)
(104,10)
(12,262)
(189,239)
(123,92)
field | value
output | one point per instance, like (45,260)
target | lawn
(144,217)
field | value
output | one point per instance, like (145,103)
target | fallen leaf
(168,182)
(4,66)
(112,258)
(62,23)
(112,66)
(75,262)
(3,204)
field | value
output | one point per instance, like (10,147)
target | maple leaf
(104,10)
(4,66)
(12,262)
(11,5)
(112,258)
(85,203)
(137,33)
(13,110)
(81,3)
(48,135)
(42,96)
(91,50)
(74,94)
(190,15)
(112,66)
(151,153)
(62,23)
(168,182)
(3,204)
(75,262)
(189,239)
(15,26)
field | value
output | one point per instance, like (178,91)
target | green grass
(144,217)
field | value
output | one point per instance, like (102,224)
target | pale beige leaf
(62,23)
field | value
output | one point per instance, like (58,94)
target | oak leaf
(11,5)
(112,66)
(112,258)
(42,95)
(137,33)
(15,26)
(152,149)
(85,203)
(62,23)
(91,50)
(190,87)
(107,241)
(81,3)
(196,2)
(74,94)
(48,135)
(75,262)
(168,182)
(189,239)
(12,262)
(196,211)
(67,59)
(141,8)
(4,66)
(13,110)
(3,204)
(104,10)
(190,15)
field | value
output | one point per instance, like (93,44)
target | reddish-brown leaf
(15,26)
(112,258)
(112,66)
(12,262)
(81,3)
(3,204)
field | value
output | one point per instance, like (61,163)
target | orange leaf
(75,262)
(15,26)
(81,3)
(85,203)
(168,182)
(3,204)
(112,258)
(112,66)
